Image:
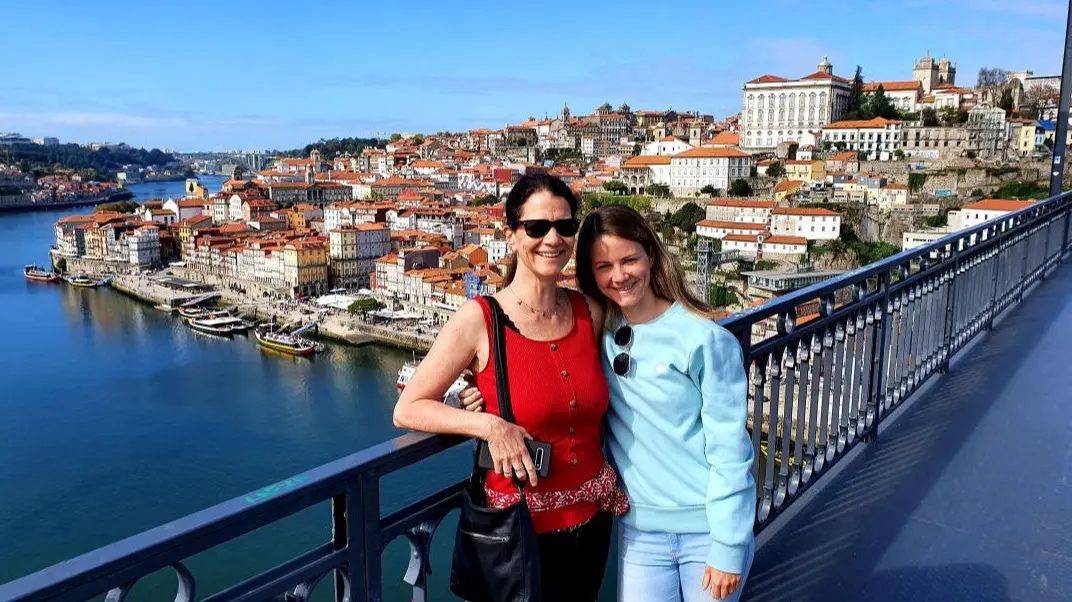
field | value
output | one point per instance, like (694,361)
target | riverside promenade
(334,324)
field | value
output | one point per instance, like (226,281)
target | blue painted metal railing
(818,388)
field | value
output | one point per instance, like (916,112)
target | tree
(709,189)
(395,137)
(899,154)
(364,306)
(1006,101)
(862,155)
(991,81)
(879,105)
(658,190)
(740,187)
(615,186)
(418,139)
(1037,99)
(930,117)
(776,170)
(636,149)
(686,217)
(483,201)
(827,145)
(855,108)
(948,116)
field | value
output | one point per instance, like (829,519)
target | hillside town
(815,175)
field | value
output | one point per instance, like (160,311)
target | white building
(904,96)
(669,145)
(717,229)
(694,169)
(353,250)
(186,208)
(966,217)
(736,210)
(776,110)
(763,244)
(496,250)
(144,246)
(804,222)
(879,138)
(159,216)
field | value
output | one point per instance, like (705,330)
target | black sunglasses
(623,337)
(538,228)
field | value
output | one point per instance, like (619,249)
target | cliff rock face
(847,262)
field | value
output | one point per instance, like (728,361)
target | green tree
(615,186)
(740,187)
(395,137)
(948,115)
(709,189)
(930,117)
(856,104)
(686,217)
(636,149)
(899,154)
(658,190)
(879,105)
(764,265)
(364,306)
(776,170)
(483,201)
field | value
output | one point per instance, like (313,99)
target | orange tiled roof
(998,205)
(726,138)
(708,152)
(646,160)
(877,122)
(785,240)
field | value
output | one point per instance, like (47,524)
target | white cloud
(81,119)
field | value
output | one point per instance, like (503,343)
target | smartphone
(539,450)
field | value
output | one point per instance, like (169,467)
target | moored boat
(408,368)
(36,273)
(216,326)
(83,281)
(286,343)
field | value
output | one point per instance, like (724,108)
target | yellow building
(805,171)
(785,189)
(305,267)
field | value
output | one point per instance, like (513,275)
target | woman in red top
(557,390)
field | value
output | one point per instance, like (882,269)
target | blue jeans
(666,567)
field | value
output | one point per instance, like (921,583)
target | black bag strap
(502,379)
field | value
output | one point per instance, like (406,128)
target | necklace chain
(534,311)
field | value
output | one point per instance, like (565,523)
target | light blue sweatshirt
(676,432)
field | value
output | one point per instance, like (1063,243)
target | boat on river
(84,281)
(35,273)
(287,343)
(406,372)
(220,324)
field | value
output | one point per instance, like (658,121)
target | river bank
(115,197)
(336,325)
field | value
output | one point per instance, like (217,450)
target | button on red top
(565,411)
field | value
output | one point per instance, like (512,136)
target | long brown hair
(667,277)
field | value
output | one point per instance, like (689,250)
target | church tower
(826,67)
(947,72)
(925,71)
(565,113)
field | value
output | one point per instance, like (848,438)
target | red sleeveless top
(559,395)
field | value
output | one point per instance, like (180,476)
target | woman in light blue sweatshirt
(676,424)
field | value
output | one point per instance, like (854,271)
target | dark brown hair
(528,185)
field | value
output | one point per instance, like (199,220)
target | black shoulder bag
(496,555)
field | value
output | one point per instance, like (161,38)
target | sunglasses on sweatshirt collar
(623,337)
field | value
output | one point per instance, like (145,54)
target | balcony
(911,443)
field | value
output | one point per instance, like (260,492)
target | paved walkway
(967,496)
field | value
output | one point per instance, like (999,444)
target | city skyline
(268,76)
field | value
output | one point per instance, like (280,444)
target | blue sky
(198,75)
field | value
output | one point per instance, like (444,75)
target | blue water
(115,418)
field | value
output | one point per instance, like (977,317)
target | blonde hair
(667,277)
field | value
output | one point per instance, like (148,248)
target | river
(115,418)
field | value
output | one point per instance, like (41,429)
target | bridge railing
(820,384)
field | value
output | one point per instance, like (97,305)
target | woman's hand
(722,585)
(472,400)
(510,456)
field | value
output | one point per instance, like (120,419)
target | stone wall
(92,267)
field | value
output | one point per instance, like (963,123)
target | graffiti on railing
(273,490)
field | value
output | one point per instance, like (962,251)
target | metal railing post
(878,353)
(369,519)
(951,303)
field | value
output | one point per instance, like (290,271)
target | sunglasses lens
(621,364)
(567,227)
(538,228)
(623,335)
